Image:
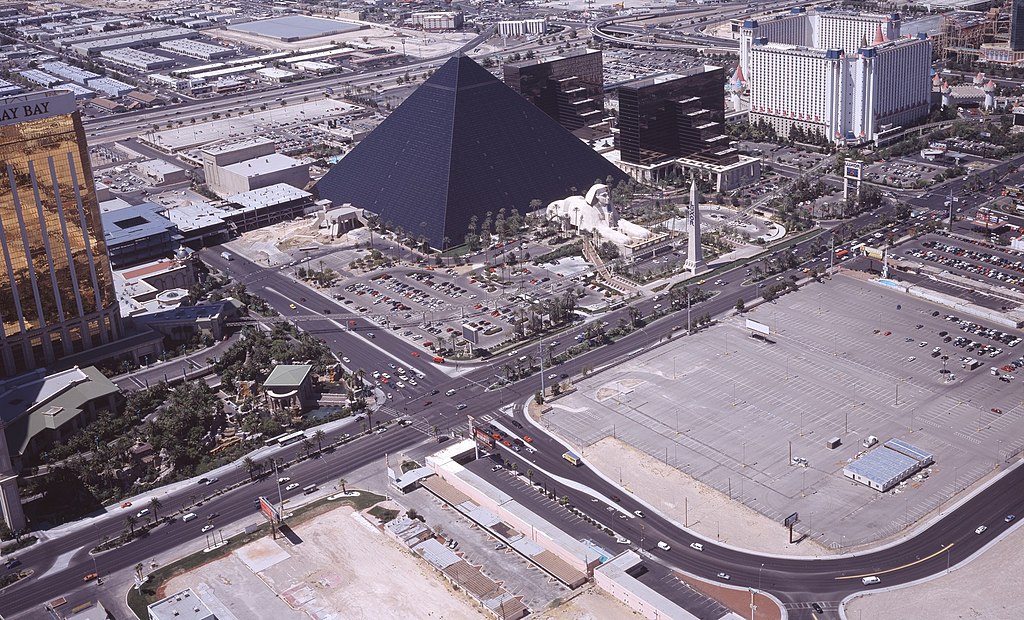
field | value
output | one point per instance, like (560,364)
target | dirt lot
(593,604)
(988,587)
(705,510)
(343,568)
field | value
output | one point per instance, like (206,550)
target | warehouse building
(145,39)
(885,467)
(69,72)
(198,49)
(137,59)
(111,87)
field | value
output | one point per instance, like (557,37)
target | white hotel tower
(849,77)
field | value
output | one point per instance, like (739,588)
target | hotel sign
(35,106)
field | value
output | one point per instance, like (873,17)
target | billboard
(268,510)
(760,328)
(791,520)
(483,438)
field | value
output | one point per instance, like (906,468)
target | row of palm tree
(132,520)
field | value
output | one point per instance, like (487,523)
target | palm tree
(307,446)
(343,482)
(155,505)
(319,436)
(131,521)
(249,465)
(529,474)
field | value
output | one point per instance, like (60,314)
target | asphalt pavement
(793,580)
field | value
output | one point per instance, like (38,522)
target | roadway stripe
(890,570)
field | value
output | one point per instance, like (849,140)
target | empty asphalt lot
(848,361)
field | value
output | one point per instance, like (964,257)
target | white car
(697,546)
(400,385)
(346,360)
(291,486)
(664,546)
(981,529)
(724,576)
(283,479)
(412,381)
(207,527)
(622,541)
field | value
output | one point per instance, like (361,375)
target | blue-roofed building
(885,467)
(138,234)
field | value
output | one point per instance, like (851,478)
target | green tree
(342,482)
(131,521)
(250,466)
(319,435)
(155,505)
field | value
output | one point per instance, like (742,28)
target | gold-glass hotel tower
(56,289)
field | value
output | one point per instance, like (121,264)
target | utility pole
(831,253)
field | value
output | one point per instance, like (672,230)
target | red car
(415,353)
(125,504)
(527,439)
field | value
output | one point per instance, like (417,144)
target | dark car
(616,498)
(817,608)
(517,424)
(435,392)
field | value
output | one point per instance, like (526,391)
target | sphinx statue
(597,214)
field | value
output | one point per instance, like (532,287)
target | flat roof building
(198,49)
(162,171)
(436,21)
(146,38)
(184,605)
(862,78)
(296,27)
(888,465)
(110,86)
(56,291)
(138,234)
(137,59)
(568,87)
(40,77)
(70,73)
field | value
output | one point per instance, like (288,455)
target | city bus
(572,458)
(292,438)
(273,441)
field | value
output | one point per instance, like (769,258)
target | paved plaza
(849,359)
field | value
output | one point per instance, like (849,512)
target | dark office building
(569,87)
(1017,25)
(461,145)
(675,115)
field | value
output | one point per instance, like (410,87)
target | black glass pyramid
(462,144)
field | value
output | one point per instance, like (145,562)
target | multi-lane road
(61,563)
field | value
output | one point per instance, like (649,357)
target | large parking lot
(979,260)
(430,305)
(850,359)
